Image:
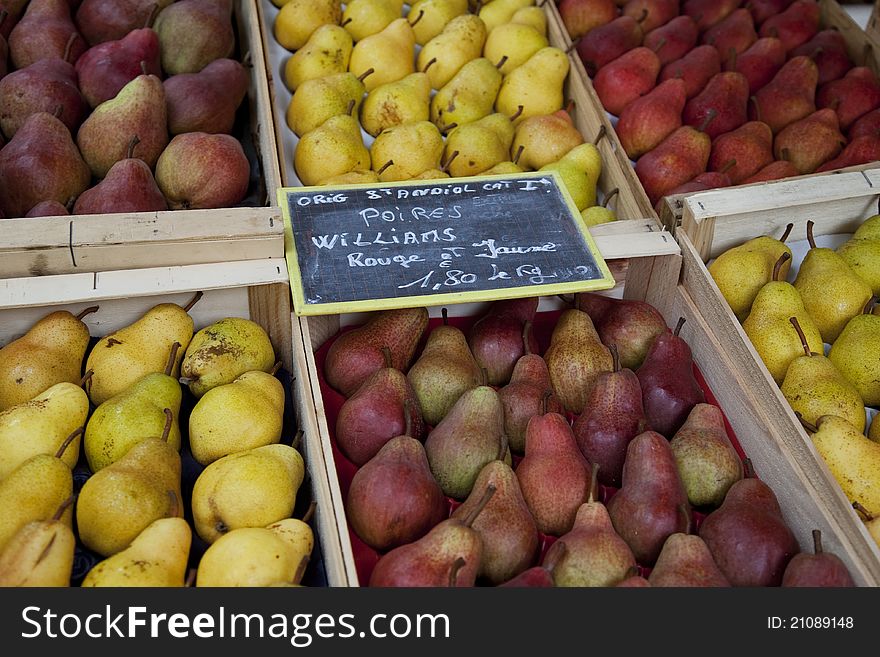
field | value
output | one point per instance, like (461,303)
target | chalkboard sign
(424,243)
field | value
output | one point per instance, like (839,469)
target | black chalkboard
(370,247)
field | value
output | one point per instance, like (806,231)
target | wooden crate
(78,243)
(716,220)
(654,274)
(255,289)
(863,49)
(630,203)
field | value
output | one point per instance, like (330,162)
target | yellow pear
(390,53)
(461,40)
(361,18)
(326,52)
(511,44)
(853,459)
(357,177)
(41,425)
(396,102)
(542,139)
(536,85)
(862,252)
(132,352)
(320,99)
(503,168)
(243,414)
(600,214)
(251,488)
(120,501)
(222,351)
(50,352)
(34,490)
(533,16)
(480,145)
(468,96)
(874,430)
(156,557)
(297,20)
(40,553)
(334,148)
(579,169)
(872,522)
(856,353)
(406,150)
(501,11)
(429,17)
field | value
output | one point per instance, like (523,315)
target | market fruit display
(121,107)
(137,487)
(591,497)
(774,67)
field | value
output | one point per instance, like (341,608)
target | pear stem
(544,399)
(63,507)
(563,299)
(478,509)
(310,512)
(70,203)
(728,165)
(659,45)
(869,306)
(519,110)
(172,358)
(186,380)
(632,571)
(600,135)
(810,238)
(817,541)
(418,18)
(786,233)
(86,377)
(526,330)
(615,357)
(87,311)
(59,109)
(429,64)
(457,565)
(614,192)
(77,432)
(446,164)
(169,419)
(143,67)
(748,469)
(688,520)
(555,555)
(861,509)
(297,439)
(173,505)
(301,569)
(385,166)
(345,22)
(386,354)
(152,17)
(501,62)
(681,321)
(754,101)
(777,268)
(797,327)
(350,107)
(809,426)
(484,375)
(3,15)
(519,152)
(573,45)
(710,116)
(190,578)
(363,76)
(69,46)
(641,19)
(445,314)
(131,144)
(247,60)
(447,127)
(193,301)
(407,417)
(594,484)
(275,368)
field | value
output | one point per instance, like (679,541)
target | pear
(193,33)
(852,458)
(393,103)
(135,413)
(138,109)
(575,358)
(536,85)
(685,561)
(814,387)
(206,101)
(448,555)
(351,178)
(511,44)
(333,148)
(501,12)
(361,18)
(818,569)
(461,40)
(158,556)
(231,417)
(34,490)
(481,145)
(443,372)
(120,501)
(404,151)
(41,425)
(469,95)
(505,525)
(317,100)
(109,20)
(298,20)
(599,214)
(326,52)
(222,351)
(390,53)
(856,354)
(768,325)
(250,488)
(429,17)
(469,436)
(257,556)
(740,272)
(123,357)
(872,522)
(50,352)
(44,31)
(831,292)
(532,15)
(579,169)
(544,139)
(40,553)
(862,252)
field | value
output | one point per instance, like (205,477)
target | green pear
(511,44)
(41,425)
(497,12)
(862,252)
(461,40)
(244,414)
(536,85)
(856,354)
(406,150)
(594,215)
(50,352)
(221,352)
(325,53)
(853,459)
(393,103)
(480,145)
(251,488)
(334,148)
(315,101)
(158,556)
(390,53)
(135,413)
(361,18)
(831,292)
(468,96)
(129,354)
(40,553)
(429,17)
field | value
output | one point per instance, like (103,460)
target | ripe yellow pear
(461,40)
(40,553)
(536,85)
(244,414)
(297,20)
(429,17)
(853,459)
(320,99)
(498,12)
(396,102)
(361,18)
(480,145)
(513,43)
(856,353)
(600,214)
(404,151)
(579,169)
(390,53)
(50,352)
(334,148)
(326,52)
(468,96)
(862,252)
(41,425)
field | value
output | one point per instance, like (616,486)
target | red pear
(696,68)
(582,16)
(732,36)
(795,26)
(708,180)
(773,171)
(866,125)
(111,20)
(608,42)
(46,30)
(764,9)
(828,50)
(648,120)
(721,107)
(820,569)
(673,40)
(676,160)
(860,150)
(659,12)
(789,96)
(709,12)
(810,142)
(496,339)
(853,95)
(760,62)
(48,209)
(107,67)
(628,77)
(749,148)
